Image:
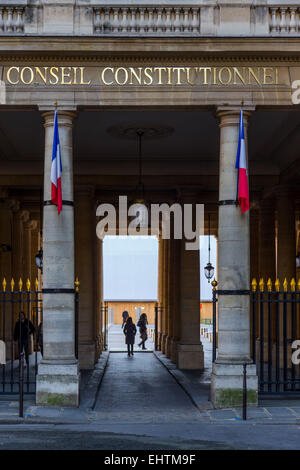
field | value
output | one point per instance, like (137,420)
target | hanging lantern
(209,271)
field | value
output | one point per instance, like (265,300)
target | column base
(57,385)
(168,346)
(159,334)
(190,356)
(173,355)
(227,385)
(87,355)
(163,343)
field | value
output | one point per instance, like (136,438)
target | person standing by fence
(23,330)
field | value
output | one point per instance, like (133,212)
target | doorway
(130,279)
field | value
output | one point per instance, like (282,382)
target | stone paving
(139,390)
(148,389)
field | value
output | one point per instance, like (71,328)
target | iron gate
(275,326)
(13,338)
(13,305)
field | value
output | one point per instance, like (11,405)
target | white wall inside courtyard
(130,267)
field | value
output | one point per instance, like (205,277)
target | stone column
(165,297)
(170,319)
(189,347)
(84,249)
(29,226)
(58,377)
(286,243)
(176,299)
(234,274)
(18,235)
(267,247)
(160,289)
(6,240)
(99,293)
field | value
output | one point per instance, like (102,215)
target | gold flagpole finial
(55,104)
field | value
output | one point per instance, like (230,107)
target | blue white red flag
(56,169)
(241,165)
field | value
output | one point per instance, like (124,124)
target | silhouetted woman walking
(129,332)
(142,324)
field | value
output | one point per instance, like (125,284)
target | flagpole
(238,173)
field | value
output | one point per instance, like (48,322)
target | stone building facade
(182,70)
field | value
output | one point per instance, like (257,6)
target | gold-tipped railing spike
(4,284)
(269,285)
(254,284)
(28,284)
(36,284)
(214,284)
(285,285)
(20,284)
(277,285)
(293,284)
(12,284)
(298,285)
(261,284)
(77,284)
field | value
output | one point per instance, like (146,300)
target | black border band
(228,202)
(64,203)
(58,291)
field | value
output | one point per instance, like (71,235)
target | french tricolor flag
(56,169)
(241,165)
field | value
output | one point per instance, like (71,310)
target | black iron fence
(20,330)
(275,327)
(21,335)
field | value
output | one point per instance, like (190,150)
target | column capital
(30,225)
(65,118)
(23,215)
(230,116)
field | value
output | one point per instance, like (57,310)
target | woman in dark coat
(142,324)
(129,332)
